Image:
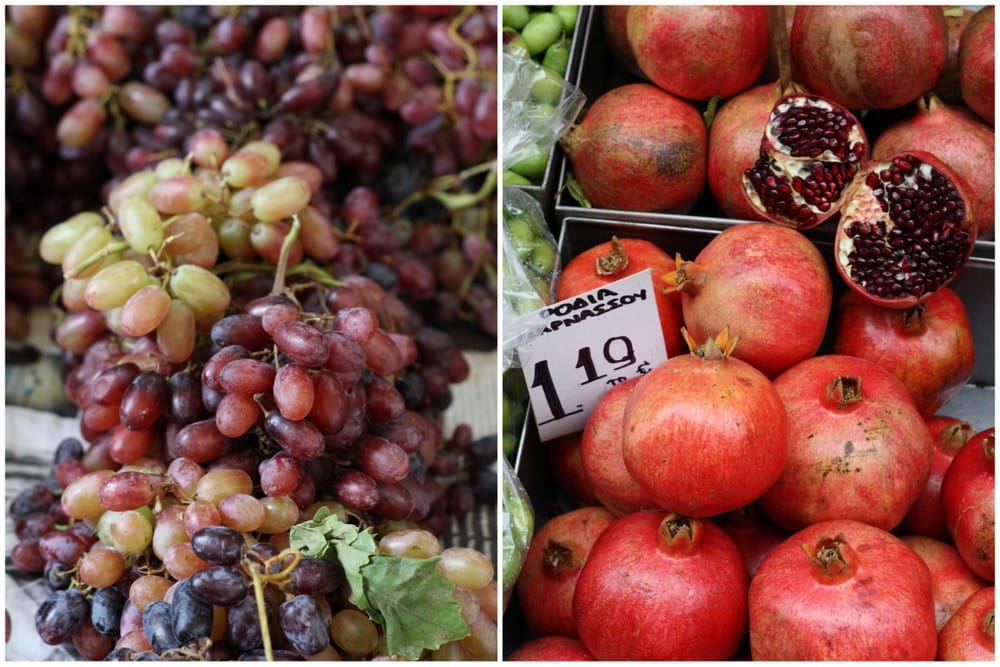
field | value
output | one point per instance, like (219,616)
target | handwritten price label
(589,343)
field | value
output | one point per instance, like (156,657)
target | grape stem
(259,580)
(439,186)
(286,248)
(98,256)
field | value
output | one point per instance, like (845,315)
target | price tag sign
(589,343)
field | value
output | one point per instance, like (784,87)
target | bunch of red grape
(292,205)
(399,101)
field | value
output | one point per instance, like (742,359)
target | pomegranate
(956,137)
(858,448)
(640,148)
(733,143)
(976,54)
(555,557)
(925,516)
(906,229)
(967,500)
(948,87)
(601,451)
(616,259)
(567,468)
(952,582)
(929,346)
(842,590)
(811,149)
(768,284)
(970,634)
(658,586)
(614,23)
(705,433)
(754,533)
(869,57)
(699,52)
(551,649)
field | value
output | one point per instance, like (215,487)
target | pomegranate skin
(929,347)
(704,433)
(948,87)
(769,284)
(614,21)
(858,448)
(603,460)
(581,275)
(734,144)
(753,532)
(969,635)
(555,558)
(699,52)
(567,469)
(643,595)
(925,516)
(976,64)
(956,137)
(640,148)
(967,500)
(869,57)
(551,649)
(952,582)
(874,604)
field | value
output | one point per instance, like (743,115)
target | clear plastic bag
(518,519)
(530,268)
(539,106)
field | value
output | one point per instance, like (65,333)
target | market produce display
(811,477)
(263,231)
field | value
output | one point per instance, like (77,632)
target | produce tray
(597,72)
(545,192)
(975,403)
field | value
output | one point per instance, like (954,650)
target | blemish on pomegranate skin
(675,159)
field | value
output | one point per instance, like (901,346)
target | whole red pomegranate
(842,590)
(956,137)
(658,586)
(869,57)
(971,633)
(640,148)
(810,150)
(906,228)
(614,22)
(552,566)
(925,516)
(952,582)
(753,532)
(967,499)
(567,468)
(705,433)
(768,284)
(734,142)
(699,52)
(976,69)
(929,346)
(613,260)
(858,448)
(601,453)
(551,649)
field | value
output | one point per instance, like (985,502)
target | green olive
(509,177)
(533,167)
(567,14)
(547,87)
(515,16)
(556,57)
(541,31)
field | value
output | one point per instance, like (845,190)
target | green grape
(203,291)
(115,284)
(140,223)
(91,242)
(58,239)
(280,198)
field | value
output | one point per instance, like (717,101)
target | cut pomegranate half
(811,149)
(906,228)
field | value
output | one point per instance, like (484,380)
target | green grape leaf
(409,597)
(351,546)
(412,600)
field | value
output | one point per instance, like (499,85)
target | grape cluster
(400,101)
